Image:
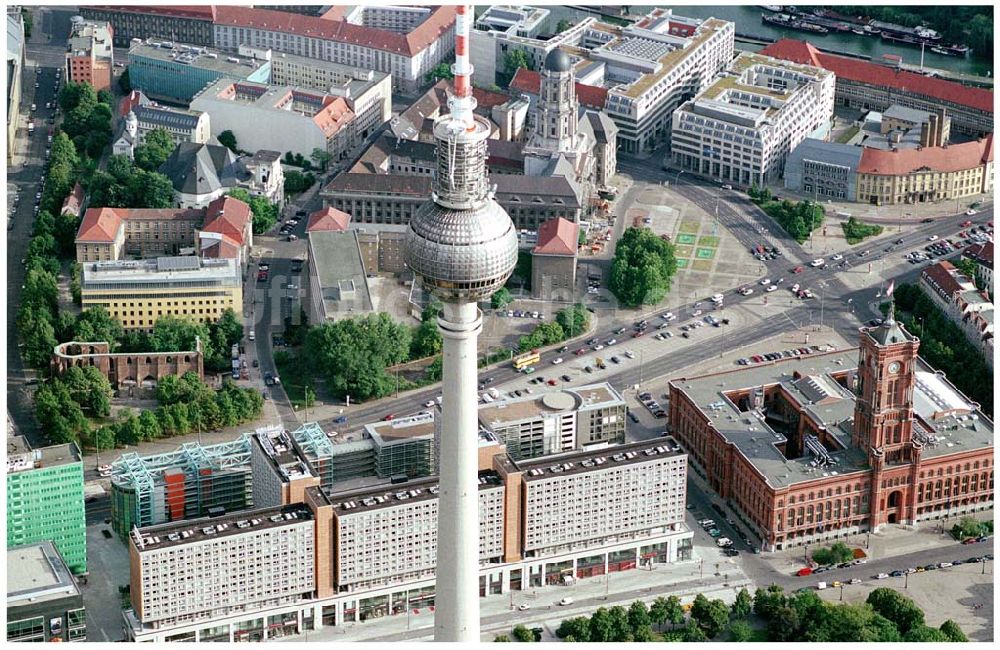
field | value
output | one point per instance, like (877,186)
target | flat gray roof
(338,258)
(212,528)
(43,457)
(36,574)
(198,57)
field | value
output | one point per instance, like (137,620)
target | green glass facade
(45,502)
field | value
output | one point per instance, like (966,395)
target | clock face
(894,367)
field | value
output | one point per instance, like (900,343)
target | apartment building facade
(965,305)
(742,128)
(185,24)
(45,500)
(138,293)
(374,549)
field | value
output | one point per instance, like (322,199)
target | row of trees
(856,230)
(569,323)
(970,527)
(318,159)
(798,219)
(642,269)
(296,182)
(944,345)
(886,616)
(60,404)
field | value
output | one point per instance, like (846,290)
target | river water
(747,19)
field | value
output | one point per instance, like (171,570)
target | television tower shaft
(463,247)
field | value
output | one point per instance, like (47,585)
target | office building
(556,421)
(934,128)
(823,446)
(110,234)
(299,120)
(368,93)
(652,66)
(338,284)
(177,71)
(553,260)
(877,85)
(407,55)
(137,293)
(89,54)
(43,600)
(45,501)
(824,170)
(543,521)
(927,174)
(190,482)
(741,128)
(503,29)
(404,446)
(184,24)
(393,198)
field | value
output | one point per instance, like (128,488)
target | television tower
(464,247)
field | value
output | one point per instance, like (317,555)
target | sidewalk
(907,214)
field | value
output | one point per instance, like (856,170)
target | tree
(98,396)
(96,324)
(658,612)
(642,269)
(742,606)
(501,298)
(783,625)
(620,631)
(562,26)
(156,147)
(440,71)
(74,94)
(308,397)
(674,611)
(522,634)
(230,327)
(767,601)
(836,554)
(740,630)
(515,59)
(638,617)
(125,83)
(150,190)
(897,608)
(321,157)
(39,338)
(228,140)
(353,353)
(578,628)
(923,634)
(711,616)
(574,320)
(693,633)
(296,182)
(954,633)
(501,638)
(601,626)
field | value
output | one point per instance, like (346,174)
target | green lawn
(708,240)
(683,251)
(705,253)
(702,265)
(294,378)
(690,226)
(682,263)
(685,238)
(848,134)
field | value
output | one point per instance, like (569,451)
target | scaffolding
(187,483)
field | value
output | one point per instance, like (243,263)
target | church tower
(883,414)
(557,108)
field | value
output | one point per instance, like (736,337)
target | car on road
(557,361)
(970,212)
(256,363)
(580,351)
(620,330)
(745,291)
(771,288)
(881,576)
(340,419)
(944,565)
(630,354)
(566,378)
(817,262)
(268,379)
(765,282)
(896,574)
(837,257)
(429,403)
(551,382)
(611,341)
(932,238)
(567,600)
(966,224)
(715,532)
(632,416)
(523,606)
(389,418)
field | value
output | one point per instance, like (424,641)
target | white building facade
(742,127)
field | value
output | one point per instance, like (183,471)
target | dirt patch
(702,265)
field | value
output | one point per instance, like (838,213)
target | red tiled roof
(129,102)
(529,81)
(227,216)
(224,248)
(952,158)
(100,225)
(74,200)
(438,22)
(202,12)
(487,99)
(333,116)
(880,75)
(942,279)
(557,237)
(328,219)
(980,253)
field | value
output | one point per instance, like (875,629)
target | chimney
(925,134)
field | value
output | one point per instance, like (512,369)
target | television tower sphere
(461,243)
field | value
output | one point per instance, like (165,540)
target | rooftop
(874,74)
(180,270)
(36,574)
(949,158)
(328,219)
(579,462)
(195,56)
(154,538)
(44,457)
(557,237)
(341,272)
(385,496)
(401,429)
(530,82)
(506,410)
(937,404)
